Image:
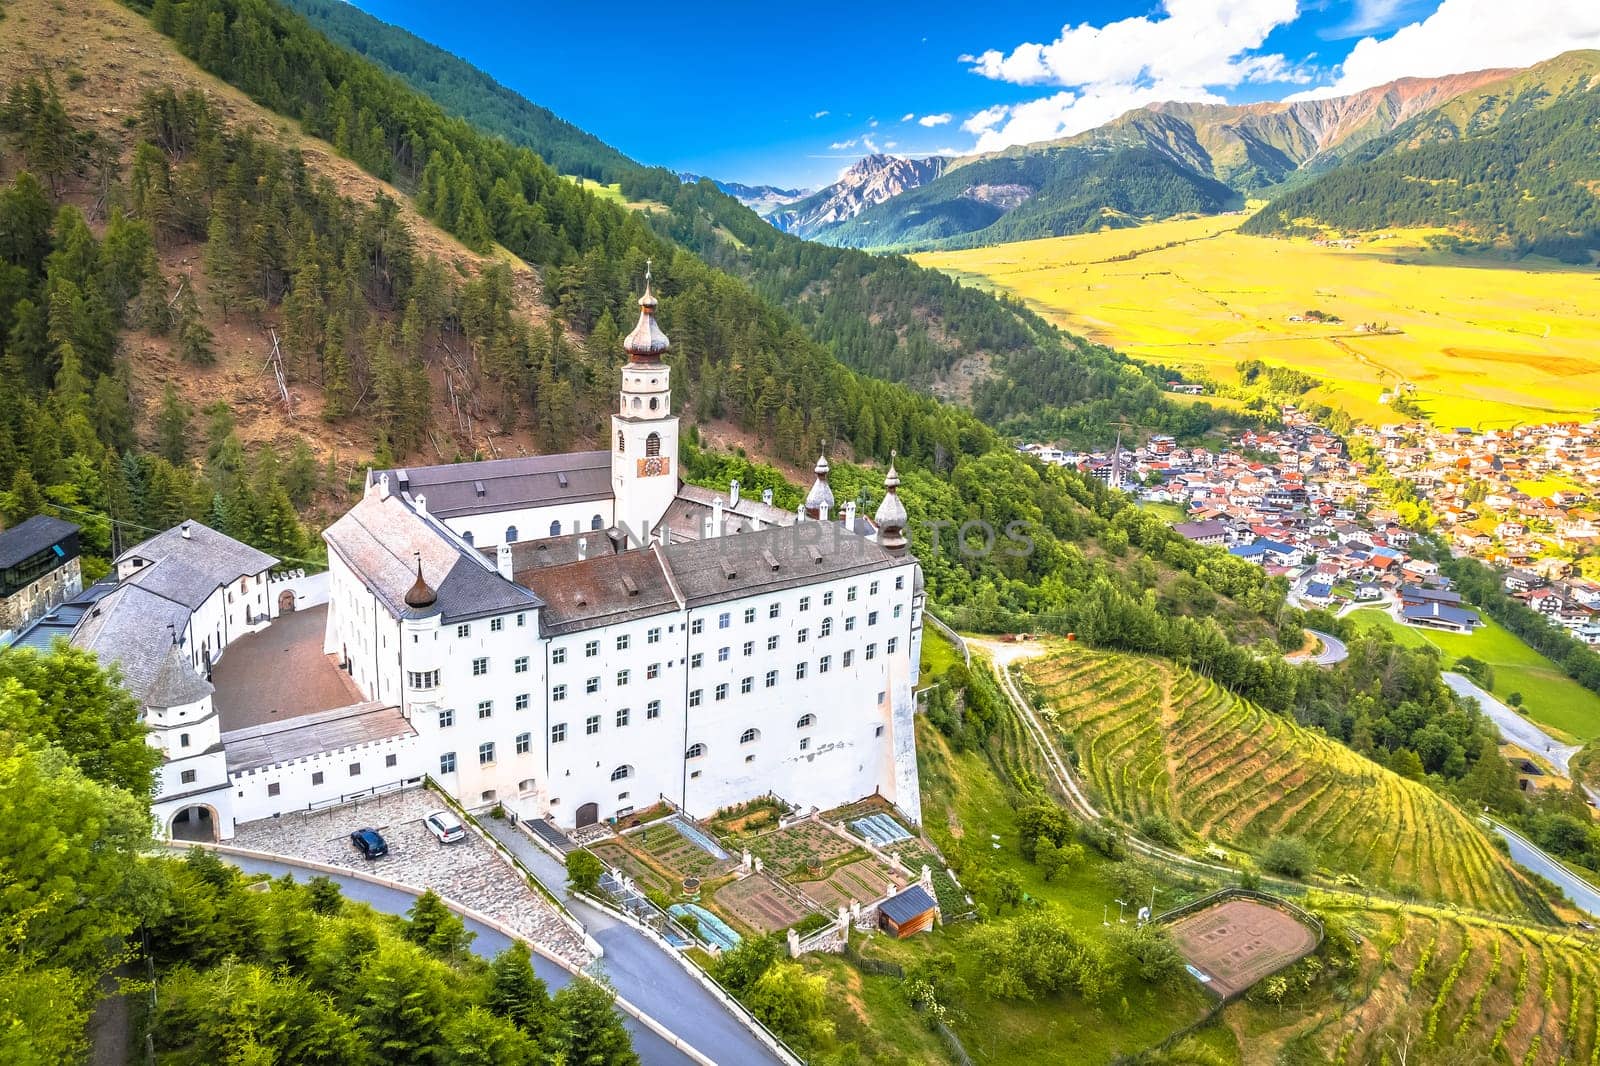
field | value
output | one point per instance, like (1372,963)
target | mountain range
(1173,158)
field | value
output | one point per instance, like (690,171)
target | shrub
(1159,828)
(584,870)
(1104,839)
(1290,856)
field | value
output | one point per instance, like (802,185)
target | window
(447,763)
(186,777)
(316,777)
(390,760)
(749,736)
(622,677)
(486,708)
(652,709)
(746,685)
(522,619)
(721,692)
(623,642)
(772,678)
(694,697)
(827,598)
(524,743)
(422,679)
(463,631)
(695,751)
(849,623)
(519,665)
(872,652)
(355,769)
(447,718)
(653,636)
(622,716)
(824,663)
(772,642)
(487,795)
(800,637)
(652,671)
(800,671)
(596,522)
(591,725)
(872,589)
(723,620)
(693,774)
(555,528)
(558,655)
(749,758)
(877,731)
(273,788)
(749,615)
(558,694)
(850,594)
(697,626)
(486,753)
(183,740)
(622,773)
(522,701)
(872,618)
(622,443)
(894,643)
(749,648)
(774,610)
(497,625)
(696,661)
(558,732)
(805,603)
(652,444)
(897,608)
(806,721)
(480,667)
(592,685)
(849,657)
(827,628)
(591,649)
(899,582)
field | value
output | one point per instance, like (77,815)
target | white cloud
(839,146)
(908,116)
(934,120)
(872,122)
(891,144)
(1186,53)
(1465,35)
(820,114)
(870,145)
(1369,15)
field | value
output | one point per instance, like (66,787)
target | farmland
(1154,740)
(1480,340)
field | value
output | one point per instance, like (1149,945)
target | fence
(954,637)
(389,788)
(1235,892)
(885,968)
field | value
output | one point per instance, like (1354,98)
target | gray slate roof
(186,570)
(453,489)
(34,535)
(129,627)
(724,568)
(687,514)
(377,538)
(272,743)
(175,683)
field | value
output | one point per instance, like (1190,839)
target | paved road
(488,943)
(642,971)
(1526,855)
(1333,650)
(1513,726)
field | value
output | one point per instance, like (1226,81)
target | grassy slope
(1155,740)
(1553,699)
(1482,340)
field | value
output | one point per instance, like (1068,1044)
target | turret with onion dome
(420,597)
(646,343)
(819,501)
(891,517)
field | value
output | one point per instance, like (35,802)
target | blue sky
(791,95)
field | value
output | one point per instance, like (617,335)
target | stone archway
(588,814)
(195,822)
(286,601)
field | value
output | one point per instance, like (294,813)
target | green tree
(589,1032)
(437,928)
(583,870)
(1290,856)
(172,425)
(516,992)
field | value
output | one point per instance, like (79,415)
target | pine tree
(516,992)
(194,336)
(435,927)
(221,260)
(589,1030)
(172,425)
(336,380)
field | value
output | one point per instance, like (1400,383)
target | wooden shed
(911,911)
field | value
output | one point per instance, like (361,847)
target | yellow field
(1482,342)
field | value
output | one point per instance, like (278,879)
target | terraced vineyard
(1461,990)
(1153,739)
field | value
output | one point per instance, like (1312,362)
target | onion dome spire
(420,596)
(819,501)
(646,343)
(891,517)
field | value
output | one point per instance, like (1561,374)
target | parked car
(445,827)
(370,843)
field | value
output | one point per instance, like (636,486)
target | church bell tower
(644,442)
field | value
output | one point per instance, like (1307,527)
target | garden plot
(759,903)
(616,854)
(667,845)
(860,881)
(880,829)
(790,851)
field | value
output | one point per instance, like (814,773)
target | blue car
(370,843)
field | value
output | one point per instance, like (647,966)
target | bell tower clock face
(655,466)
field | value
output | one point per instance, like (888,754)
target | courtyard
(252,677)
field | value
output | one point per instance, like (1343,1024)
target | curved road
(1525,854)
(1333,650)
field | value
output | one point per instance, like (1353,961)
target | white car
(446,827)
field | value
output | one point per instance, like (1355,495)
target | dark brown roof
(528,555)
(724,568)
(456,489)
(601,591)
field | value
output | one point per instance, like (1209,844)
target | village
(1303,503)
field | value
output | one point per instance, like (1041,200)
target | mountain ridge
(870,180)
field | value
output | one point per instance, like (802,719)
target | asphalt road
(1524,854)
(1333,650)
(1513,726)
(488,943)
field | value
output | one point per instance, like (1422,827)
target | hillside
(1160,743)
(1511,165)
(870,180)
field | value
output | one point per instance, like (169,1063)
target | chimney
(766,497)
(383,486)
(583,548)
(716,515)
(502,560)
(850,515)
(183,531)
(822,513)
(733,493)
(420,503)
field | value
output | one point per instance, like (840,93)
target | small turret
(819,501)
(420,596)
(646,343)
(891,517)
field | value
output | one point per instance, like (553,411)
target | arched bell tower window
(652,444)
(622,443)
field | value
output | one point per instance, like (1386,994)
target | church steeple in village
(644,430)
